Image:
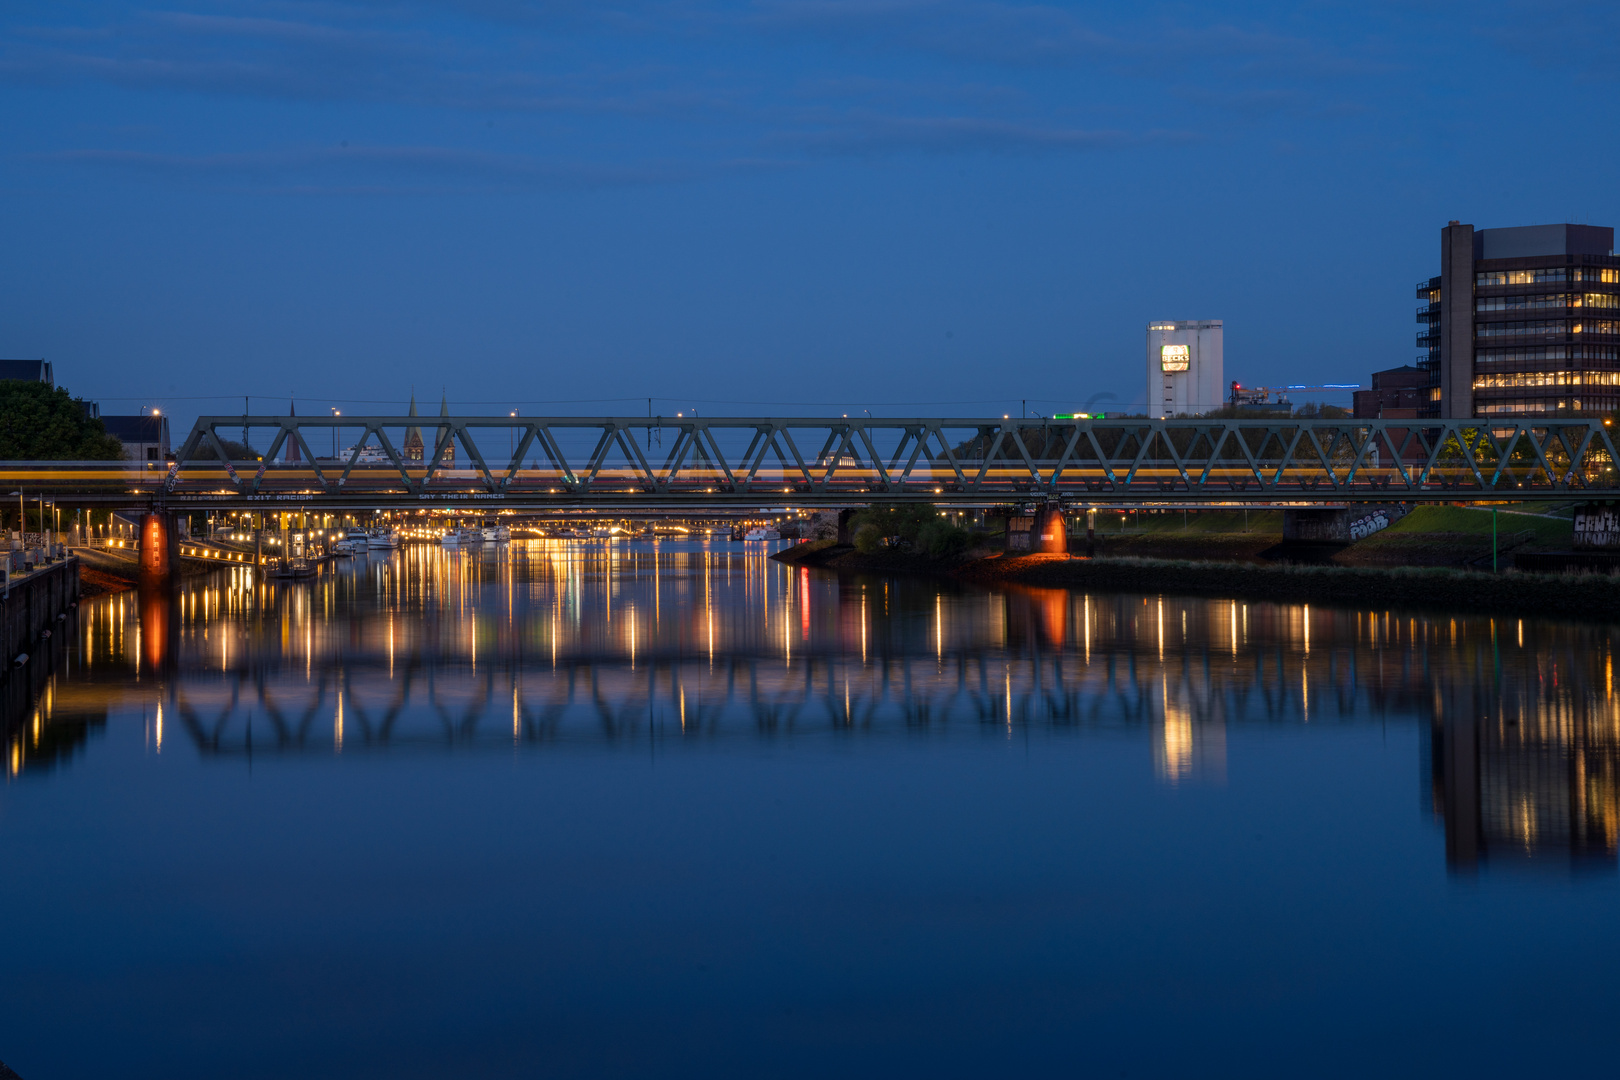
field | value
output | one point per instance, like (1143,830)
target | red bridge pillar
(160,549)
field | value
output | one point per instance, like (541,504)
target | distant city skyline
(936,207)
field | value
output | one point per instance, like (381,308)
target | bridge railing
(808,460)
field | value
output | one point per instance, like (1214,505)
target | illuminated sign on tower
(1184,368)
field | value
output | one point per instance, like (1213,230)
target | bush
(868,539)
(941,539)
(905,520)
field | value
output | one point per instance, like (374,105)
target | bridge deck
(648,464)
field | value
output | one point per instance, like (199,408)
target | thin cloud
(397,169)
(864,135)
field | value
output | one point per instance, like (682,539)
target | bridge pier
(1339,526)
(160,550)
(845,537)
(1045,533)
(1049,535)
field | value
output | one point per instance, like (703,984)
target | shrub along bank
(1582,596)
(917,528)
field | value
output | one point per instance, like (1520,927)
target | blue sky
(921,206)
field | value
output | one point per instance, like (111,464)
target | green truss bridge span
(659,464)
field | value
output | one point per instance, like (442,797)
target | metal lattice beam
(663,462)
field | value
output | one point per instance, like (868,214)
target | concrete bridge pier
(1049,533)
(1339,525)
(1043,533)
(160,550)
(844,535)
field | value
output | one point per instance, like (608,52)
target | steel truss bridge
(663,464)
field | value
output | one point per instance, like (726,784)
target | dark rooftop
(1530,241)
(27,371)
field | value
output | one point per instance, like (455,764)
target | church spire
(413,435)
(292,439)
(450,444)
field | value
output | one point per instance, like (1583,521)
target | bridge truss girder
(634,463)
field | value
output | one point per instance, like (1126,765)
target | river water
(592,809)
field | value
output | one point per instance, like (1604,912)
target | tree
(916,525)
(235,450)
(1316,410)
(46,423)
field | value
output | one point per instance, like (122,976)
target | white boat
(382,538)
(762,533)
(450,539)
(502,534)
(602,534)
(471,536)
(343,548)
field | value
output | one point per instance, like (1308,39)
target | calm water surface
(636,810)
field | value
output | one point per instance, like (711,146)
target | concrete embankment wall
(44,601)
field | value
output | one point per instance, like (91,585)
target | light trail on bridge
(662,464)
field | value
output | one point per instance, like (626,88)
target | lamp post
(335,413)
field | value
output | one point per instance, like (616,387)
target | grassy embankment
(1419,562)
(1428,536)
(1461,536)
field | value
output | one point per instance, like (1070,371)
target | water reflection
(639,644)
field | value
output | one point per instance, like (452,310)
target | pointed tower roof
(450,445)
(413,434)
(292,441)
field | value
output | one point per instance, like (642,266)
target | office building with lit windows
(1522,322)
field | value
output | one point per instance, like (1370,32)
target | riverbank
(1454,536)
(1582,596)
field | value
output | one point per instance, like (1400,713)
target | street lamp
(335,412)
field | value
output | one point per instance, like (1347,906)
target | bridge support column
(160,550)
(844,536)
(1043,533)
(1049,533)
(1339,526)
